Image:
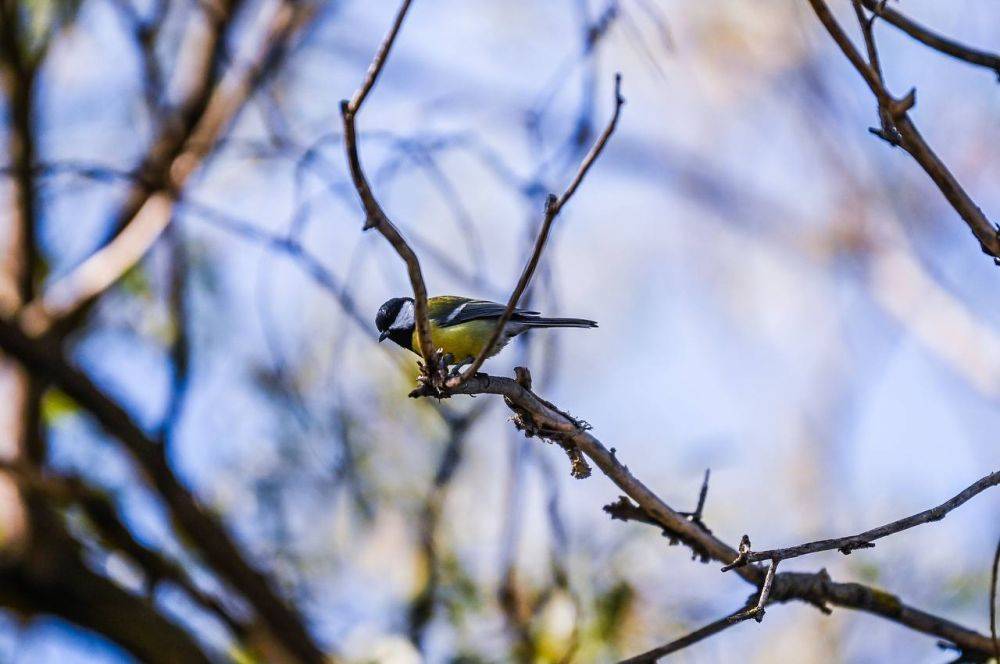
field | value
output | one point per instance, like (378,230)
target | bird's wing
(454,310)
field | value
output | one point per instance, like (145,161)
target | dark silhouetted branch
(182,146)
(204,531)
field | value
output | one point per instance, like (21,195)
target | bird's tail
(537,321)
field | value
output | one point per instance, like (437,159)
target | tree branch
(375,216)
(866,539)
(553,206)
(935,41)
(181,148)
(709,630)
(204,531)
(537,417)
(102,514)
(911,140)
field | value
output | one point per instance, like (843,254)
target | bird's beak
(382,336)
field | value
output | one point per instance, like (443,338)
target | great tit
(460,326)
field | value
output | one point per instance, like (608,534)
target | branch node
(743,556)
(848,548)
(899,107)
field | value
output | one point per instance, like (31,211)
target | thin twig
(866,539)
(888,130)
(160,181)
(375,216)
(553,206)
(694,637)
(935,41)
(757,612)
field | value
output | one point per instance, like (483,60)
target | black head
(395,319)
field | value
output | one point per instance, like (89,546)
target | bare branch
(553,206)
(103,515)
(375,217)
(757,612)
(929,38)
(172,159)
(709,630)
(866,539)
(205,532)
(910,139)
(538,417)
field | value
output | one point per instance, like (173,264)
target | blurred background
(783,299)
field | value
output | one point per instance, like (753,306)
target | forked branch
(909,138)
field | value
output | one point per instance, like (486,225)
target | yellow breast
(463,340)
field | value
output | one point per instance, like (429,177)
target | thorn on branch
(695,517)
(625,510)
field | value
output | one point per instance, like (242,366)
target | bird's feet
(456,369)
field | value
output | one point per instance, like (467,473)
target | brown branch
(375,216)
(202,529)
(182,147)
(18,77)
(709,630)
(929,38)
(757,611)
(911,140)
(545,420)
(866,539)
(887,131)
(553,206)
(73,592)
(103,516)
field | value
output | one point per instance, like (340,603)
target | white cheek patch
(405,318)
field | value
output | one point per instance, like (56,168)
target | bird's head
(395,318)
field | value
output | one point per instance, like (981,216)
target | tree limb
(911,140)
(181,148)
(866,539)
(935,41)
(375,216)
(205,532)
(537,417)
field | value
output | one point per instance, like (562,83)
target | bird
(461,326)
